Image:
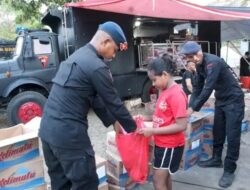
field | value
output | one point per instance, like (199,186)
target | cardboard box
(192,151)
(207,149)
(195,123)
(101,169)
(208,132)
(114,165)
(244,126)
(193,128)
(207,141)
(42,187)
(132,104)
(33,125)
(190,158)
(247,106)
(111,143)
(124,179)
(103,186)
(210,103)
(247,113)
(194,142)
(115,187)
(11,132)
(209,120)
(120,181)
(28,175)
(18,144)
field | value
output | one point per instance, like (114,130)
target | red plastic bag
(133,149)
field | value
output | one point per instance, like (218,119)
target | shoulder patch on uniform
(210,65)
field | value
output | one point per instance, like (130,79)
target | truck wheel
(25,106)
(145,97)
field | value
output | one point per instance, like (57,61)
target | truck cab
(25,79)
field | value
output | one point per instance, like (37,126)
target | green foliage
(26,13)
(7,29)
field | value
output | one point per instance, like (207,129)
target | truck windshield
(19,45)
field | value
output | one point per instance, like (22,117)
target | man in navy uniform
(213,74)
(82,81)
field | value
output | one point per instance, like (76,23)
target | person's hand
(117,127)
(138,116)
(189,112)
(147,132)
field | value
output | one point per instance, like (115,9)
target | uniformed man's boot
(215,161)
(226,180)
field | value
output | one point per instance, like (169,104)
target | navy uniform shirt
(82,81)
(213,74)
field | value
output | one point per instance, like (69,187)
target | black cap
(115,31)
(190,47)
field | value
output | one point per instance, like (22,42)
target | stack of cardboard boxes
(21,160)
(117,175)
(116,172)
(207,141)
(101,171)
(21,166)
(194,138)
(208,122)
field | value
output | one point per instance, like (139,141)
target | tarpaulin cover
(171,9)
(234,30)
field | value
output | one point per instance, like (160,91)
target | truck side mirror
(28,50)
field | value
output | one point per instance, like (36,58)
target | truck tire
(145,97)
(25,106)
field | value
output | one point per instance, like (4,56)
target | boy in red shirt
(169,123)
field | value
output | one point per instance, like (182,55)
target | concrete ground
(194,178)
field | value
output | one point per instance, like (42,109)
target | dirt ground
(3,120)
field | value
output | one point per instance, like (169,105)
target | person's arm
(103,84)
(189,85)
(188,81)
(180,125)
(102,112)
(213,71)
(197,88)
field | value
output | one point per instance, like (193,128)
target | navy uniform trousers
(70,169)
(227,123)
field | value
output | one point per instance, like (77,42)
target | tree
(7,30)
(26,13)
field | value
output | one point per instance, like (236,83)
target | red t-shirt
(171,104)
